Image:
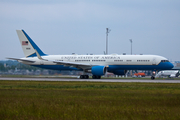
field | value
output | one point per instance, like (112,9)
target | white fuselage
(122,61)
(101,59)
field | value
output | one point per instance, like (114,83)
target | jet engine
(98,70)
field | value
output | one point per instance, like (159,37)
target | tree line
(12,65)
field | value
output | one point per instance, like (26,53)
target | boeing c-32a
(98,65)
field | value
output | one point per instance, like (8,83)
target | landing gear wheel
(96,77)
(84,76)
(81,76)
(152,77)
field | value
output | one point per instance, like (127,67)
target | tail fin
(28,45)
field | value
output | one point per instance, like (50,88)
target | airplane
(98,65)
(168,73)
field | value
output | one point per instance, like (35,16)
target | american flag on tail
(24,42)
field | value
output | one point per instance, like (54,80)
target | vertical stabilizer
(28,45)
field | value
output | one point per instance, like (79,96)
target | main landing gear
(96,77)
(87,77)
(84,76)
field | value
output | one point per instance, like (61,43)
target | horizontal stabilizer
(21,60)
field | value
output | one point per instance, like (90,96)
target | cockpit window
(164,60)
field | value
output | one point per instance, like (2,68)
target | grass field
(89,100)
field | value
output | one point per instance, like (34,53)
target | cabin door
(154,61)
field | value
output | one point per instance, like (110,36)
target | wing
(74,64)
(71,63)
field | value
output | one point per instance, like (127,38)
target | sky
(79,26)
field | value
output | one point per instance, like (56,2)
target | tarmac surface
(93,80)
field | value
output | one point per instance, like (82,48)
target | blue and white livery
(98,65)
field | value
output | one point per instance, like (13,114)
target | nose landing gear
(152,77)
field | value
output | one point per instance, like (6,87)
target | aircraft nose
(170,65)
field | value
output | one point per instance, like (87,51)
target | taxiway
(92,80)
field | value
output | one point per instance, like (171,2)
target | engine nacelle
(99,70)
(120,72)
